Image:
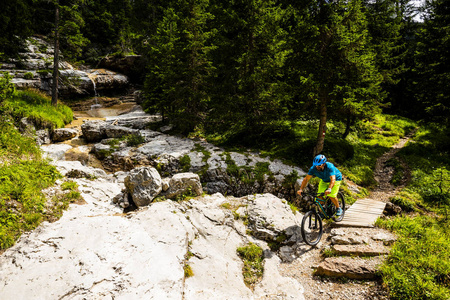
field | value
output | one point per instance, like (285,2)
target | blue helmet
(319,160)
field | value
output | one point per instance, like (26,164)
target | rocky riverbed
(96,251)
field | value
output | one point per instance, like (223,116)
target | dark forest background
(243,67)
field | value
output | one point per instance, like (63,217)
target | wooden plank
(363,213)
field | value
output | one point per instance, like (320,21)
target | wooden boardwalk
(363,213)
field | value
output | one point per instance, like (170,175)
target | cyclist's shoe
(338,212)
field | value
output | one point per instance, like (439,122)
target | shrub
(134,140)
(185,163)
(252,256)
(6,86)
(69,185)
(28,75)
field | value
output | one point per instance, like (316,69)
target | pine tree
(336,66)
(250,59)
(15,25)
(433,62)
(179,64)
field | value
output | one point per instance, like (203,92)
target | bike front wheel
(341,200)
(312,228)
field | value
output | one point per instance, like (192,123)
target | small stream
(80,148)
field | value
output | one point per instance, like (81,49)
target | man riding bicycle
(330,176)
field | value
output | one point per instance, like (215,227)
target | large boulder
(63,134)
(113,131)
(183,184)
(272,219)
(144,184)
(93,131)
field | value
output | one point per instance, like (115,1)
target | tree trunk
(350,121)
(322,127)
(56,58)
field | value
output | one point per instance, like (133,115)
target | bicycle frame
(318,207)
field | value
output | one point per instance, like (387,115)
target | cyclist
(330,181)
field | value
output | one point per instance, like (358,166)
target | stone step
(373,249)
(353,268)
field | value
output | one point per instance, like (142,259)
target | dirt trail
(338,288)
(383,174)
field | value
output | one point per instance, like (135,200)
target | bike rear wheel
(341,200)
(312,228)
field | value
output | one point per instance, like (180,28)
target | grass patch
(185,163)
(22,202)
(418,266)
(226,205)
(252,256)
(36,106)
(188,271)
(69,185)
(23,172)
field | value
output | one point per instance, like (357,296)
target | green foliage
(6,87)
(22,200)
(28,75)
(134,140)
(252,256)
(418,264)
(290,179)
(15,26)
(37,107)
(14,145)
(179,66)
(406,200)
(188,271)
(432,65)
(226,205)
(185,163)
(23,173)
(69,185)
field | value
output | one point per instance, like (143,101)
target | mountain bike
(324,208)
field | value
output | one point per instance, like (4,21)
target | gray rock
(373,249)
(184,183)
(217,187)
(144,184)
(63,134)
(287,254)
(43,137)
(269,217)
(93,131)
(112,131)
(386,238)
(275,286)
(165,184)
(56,151)
(354,268)
(76,169)
(391,209)
(349,240)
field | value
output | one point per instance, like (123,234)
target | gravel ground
(317,287)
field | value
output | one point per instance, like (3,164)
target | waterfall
(96,105)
